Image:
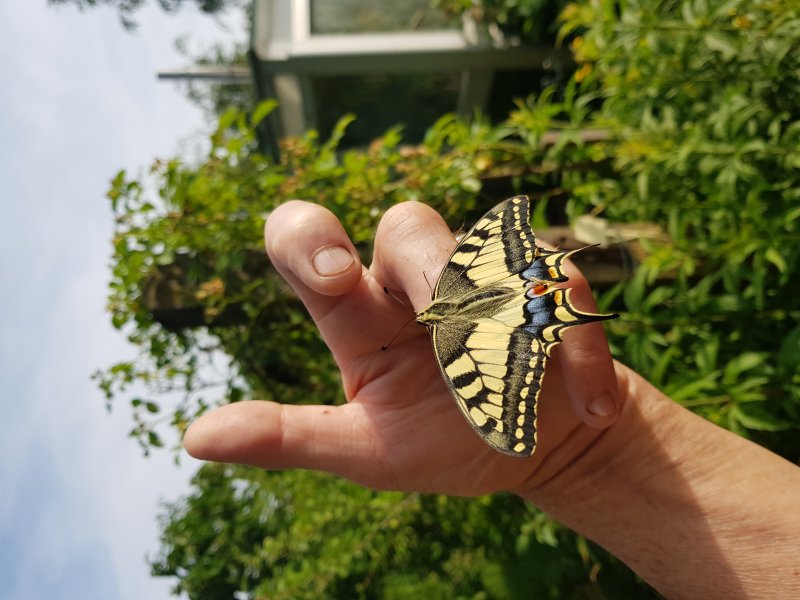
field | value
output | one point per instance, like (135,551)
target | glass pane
(362,16)
(508,86)
(381,101)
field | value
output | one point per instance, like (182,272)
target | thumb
(585,362)
(335,439)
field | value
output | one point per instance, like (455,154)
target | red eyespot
(539,289)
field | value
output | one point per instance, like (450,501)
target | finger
(412,244)
(311,249)
(585,361)
(336,439)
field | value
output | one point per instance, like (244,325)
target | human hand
(401,428)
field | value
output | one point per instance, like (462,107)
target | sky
(79,100)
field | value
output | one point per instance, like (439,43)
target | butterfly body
(494,318)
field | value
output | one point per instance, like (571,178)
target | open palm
(400,428)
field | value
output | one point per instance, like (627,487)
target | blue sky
(78,101)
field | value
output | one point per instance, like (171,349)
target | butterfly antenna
(395,297)
(430,287)
(396,335)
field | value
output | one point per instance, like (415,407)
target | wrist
(619,457)
(692,508)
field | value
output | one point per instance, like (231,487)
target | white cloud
(79,101)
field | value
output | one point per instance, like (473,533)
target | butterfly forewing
(499,245)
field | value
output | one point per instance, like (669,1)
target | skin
(693,509)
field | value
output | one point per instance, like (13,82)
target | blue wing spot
(540,313)
(537,271)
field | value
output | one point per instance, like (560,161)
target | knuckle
(410,225)
(399,217)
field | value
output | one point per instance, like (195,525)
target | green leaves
(297,534)
(262,110)
(704,146)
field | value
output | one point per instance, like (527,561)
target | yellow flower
(213,287)
(583,72)
(569,12)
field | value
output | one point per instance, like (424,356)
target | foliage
(700,102)
(534,21)
(300,534)
(704,107)
(212,97)
(127,8)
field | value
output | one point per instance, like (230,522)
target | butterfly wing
(493,359)
(493,371)
(499,245)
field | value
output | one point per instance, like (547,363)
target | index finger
(308,246)
(411,247)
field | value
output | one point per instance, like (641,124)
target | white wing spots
(519,448)
(519,433)
(521,419)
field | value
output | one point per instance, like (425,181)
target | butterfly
(494,318)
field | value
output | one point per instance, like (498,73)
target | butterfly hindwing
(481,365)
(494,320)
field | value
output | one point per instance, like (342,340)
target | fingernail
(602,406)
(331,260)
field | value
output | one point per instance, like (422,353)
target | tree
(701,107)
(127,8)
(308,535)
